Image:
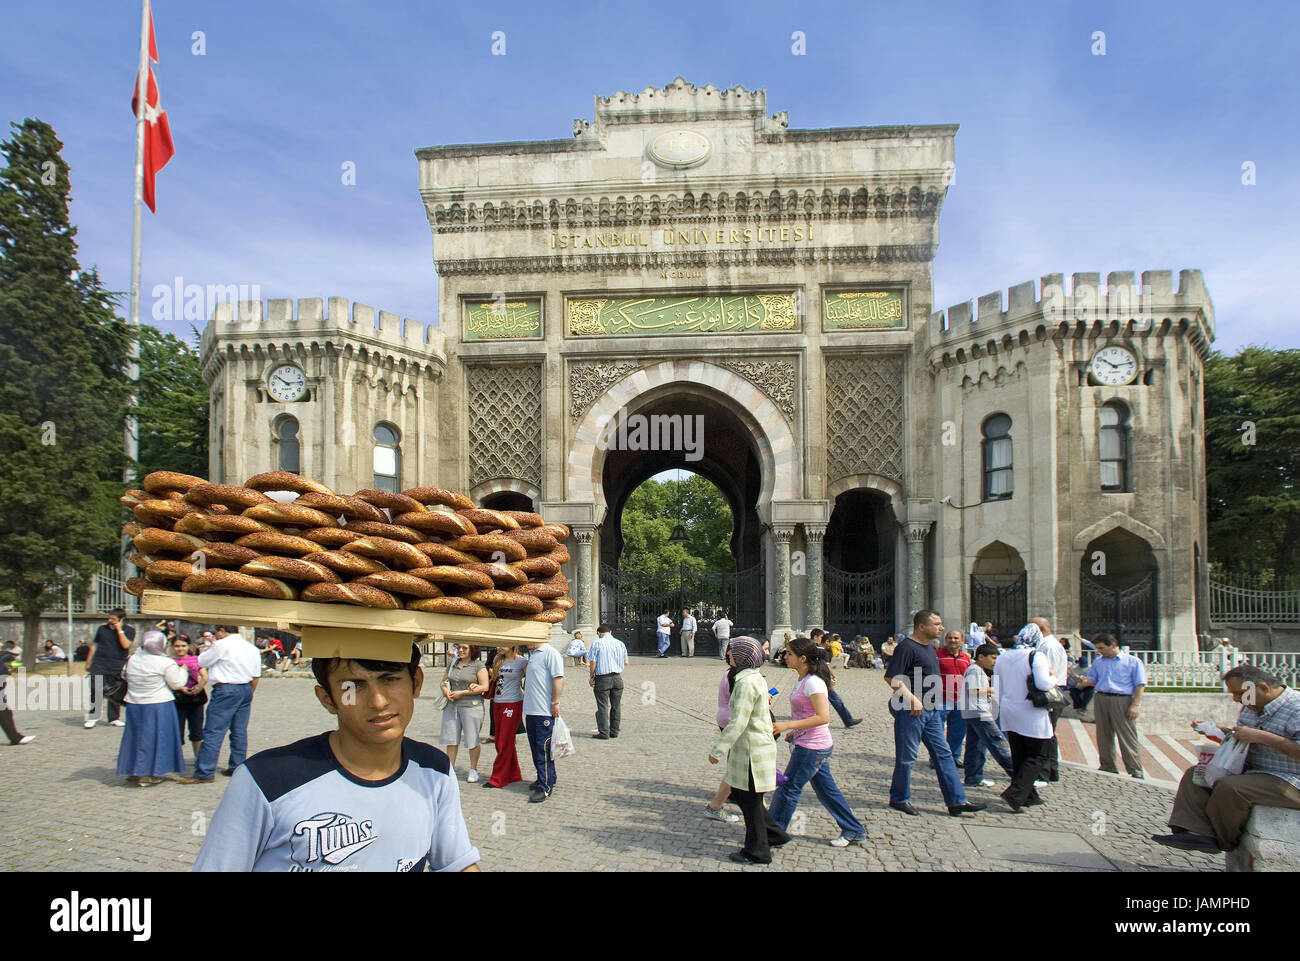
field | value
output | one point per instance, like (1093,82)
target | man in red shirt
(953,661)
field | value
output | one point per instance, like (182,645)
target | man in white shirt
(1058,662)
(234,666)
(663,635)
(688,634)
(722,631)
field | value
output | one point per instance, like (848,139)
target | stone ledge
(1271,842)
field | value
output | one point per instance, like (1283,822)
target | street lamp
(68,576)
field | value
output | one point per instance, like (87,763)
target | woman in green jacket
(746,742)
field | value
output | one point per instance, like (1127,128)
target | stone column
(781,537)
(585,584)
(917,589)
(813,536)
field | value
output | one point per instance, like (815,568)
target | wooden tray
(343,630)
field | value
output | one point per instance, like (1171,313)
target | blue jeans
(228,710)
(984,736)
(837,703)
(955,728)
(664,642)
(540,727)
(909,734)
(807,764)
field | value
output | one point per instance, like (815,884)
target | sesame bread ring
(455,577)
(360,595)
(394,532)
(171,509)
(440,495)
(396,583)
(558,531)
(142,560)
(169,572)
(136,586)
(331,536)
(563,603)
(353,508)
(542,590)
(394,553)
(216,554)
(560,555)
(290,568)
(503,575)
(506,601)
(131,528)
(283,480)
(217,581)
(552,616)
(449,605)
(393,503)
(222,524)
(536,542)
(350,565)
(161,481)
(132,497)
(442,554)
(152,518)
(265,543)
(525,519)
(151,540)
(443,523)
(291,515)
(486,521)
(239,498)
(489,545)
(538,567)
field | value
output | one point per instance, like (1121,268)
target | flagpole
(130,435)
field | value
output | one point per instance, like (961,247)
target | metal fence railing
(1178,669)
(1234,603)
(105,594)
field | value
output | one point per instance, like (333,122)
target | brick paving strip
(635,803)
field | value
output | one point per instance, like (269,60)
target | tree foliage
(1252,440)
(656,507)
(173,405)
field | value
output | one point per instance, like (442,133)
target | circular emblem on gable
(680,148)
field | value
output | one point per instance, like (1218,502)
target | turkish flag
(158,146)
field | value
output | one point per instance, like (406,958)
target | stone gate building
(687,282)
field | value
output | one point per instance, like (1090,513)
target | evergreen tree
(62,386)
(173,405)
(656,507)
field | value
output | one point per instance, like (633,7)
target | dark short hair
(1107,639)
(921,616)
(815,633)
(986,649)
(118,612)
(322,666)
(604,629)
(1250,674)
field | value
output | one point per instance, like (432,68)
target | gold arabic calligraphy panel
(654,316)
(503,320)
(863,310)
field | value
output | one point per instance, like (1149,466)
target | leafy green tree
(173,405)
(62,387)
(656,507)
(1252,440)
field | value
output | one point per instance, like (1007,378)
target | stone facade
(685,253)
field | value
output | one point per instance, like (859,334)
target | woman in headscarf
(1028,728)
(1029,636)
(746,742)
(151,743)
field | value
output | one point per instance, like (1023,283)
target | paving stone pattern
(635,803)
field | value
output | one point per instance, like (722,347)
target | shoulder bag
(1048,699)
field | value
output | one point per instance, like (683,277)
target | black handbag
(1048,699)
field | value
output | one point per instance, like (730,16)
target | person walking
(608,658)
(7,706)
(664,633)
(713,809)
(543,685)
(104,666)
(235,666)
(1028,728)
(953,664)
(722,632)
(746,742)
(190,698)
(151,743)
(915,681)
(819,637)
(1119,680)
(506,681)
(979,708)
(811,744)
(688,634)
(1059,662)
(463,685)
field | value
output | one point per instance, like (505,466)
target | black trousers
(1054,756)
(1029,760)
(114,694)
(761,832)
(8,726)
(609,703)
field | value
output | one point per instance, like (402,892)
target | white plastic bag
(561,739)
(1230,758)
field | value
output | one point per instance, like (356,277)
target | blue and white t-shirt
(295,808)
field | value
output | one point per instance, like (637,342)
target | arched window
(287,449)
(1112,447)
(997,458)
(388,458)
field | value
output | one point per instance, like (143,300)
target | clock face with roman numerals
(287,384)
(1114,366)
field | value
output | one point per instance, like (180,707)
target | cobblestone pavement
(631,804)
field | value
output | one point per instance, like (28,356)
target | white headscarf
(1030,636)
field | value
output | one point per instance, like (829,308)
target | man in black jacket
(108,652)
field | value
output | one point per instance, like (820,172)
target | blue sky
(1066,161)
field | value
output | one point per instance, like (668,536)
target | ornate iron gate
(860,602)
(1002,599)
(631,604)
(1131,614)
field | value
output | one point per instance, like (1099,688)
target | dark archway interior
(1127,559)
(862,531)
(508,501)
(998,563)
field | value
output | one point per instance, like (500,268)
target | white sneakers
(473,776)
(986,783)
(843,842)
(88,725)
(27,739)
(726,817)
(118,723)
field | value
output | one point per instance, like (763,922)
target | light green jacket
(746,742)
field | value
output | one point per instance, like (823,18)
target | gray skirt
(462,723)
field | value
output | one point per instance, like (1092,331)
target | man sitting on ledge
(1213,820)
